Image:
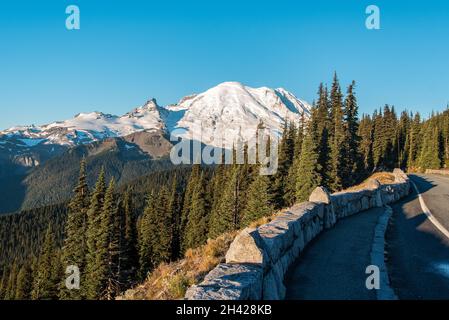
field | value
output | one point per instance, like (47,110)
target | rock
(373,184)
(208,293)
(399,175)
(320,195)
(247,247)
(302,208)
(229,282)
(289,221)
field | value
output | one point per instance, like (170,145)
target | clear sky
(129,51)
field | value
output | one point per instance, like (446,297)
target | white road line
(429,214)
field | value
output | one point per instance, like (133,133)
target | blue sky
(128,51)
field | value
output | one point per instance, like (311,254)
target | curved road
(417,251)
(333,265)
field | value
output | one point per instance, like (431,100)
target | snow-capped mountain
(87,127)
(229,111)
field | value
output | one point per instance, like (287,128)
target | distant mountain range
(46,155)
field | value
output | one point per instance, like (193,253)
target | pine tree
(290,192)
(130,259)
(285,160)
(390,124)
(164,236)
(94,268)
(148,228)
(75,248)
(197,224)
(321,128)
(111,244)
(24,283)
(45,286)
(10,288)
(430,152)
(414,141)
(108,246)
(378,139)
(3,283)
(173,210)
(353,162)
(307,176)
(366,143)
(259,202)
(191,184)
(402,141)
(338,142)
(226,217)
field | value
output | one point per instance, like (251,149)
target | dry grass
(382,177)
(263,220)
(170,280)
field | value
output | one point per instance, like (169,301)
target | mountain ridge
(229,99)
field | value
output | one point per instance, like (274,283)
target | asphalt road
(333,265)
(417,252)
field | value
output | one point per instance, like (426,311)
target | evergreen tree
(174,215)
(285,160)
(191,184)
(94,266)
(226,217)
(353,160)
(197,224)
(10,287)
(338,144)
(290,192)
(322,129)
(430,153)
(75,248)
(390,124)
(379,139)
(414,141)
(131,259)
(402,141)
(24,283)
(163,245)
(148,229)
(307,176)
(366,143)
(110,245)
(45,286)
(259,202)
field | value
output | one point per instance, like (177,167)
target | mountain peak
(150,104)
(230,109)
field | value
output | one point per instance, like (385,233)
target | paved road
(418,253)
(333,265)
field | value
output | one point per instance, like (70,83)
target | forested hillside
(52,182)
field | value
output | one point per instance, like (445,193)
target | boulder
(320,195)
(373,184)
(247,247)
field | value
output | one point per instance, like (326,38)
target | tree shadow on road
(422,182)
(416,251)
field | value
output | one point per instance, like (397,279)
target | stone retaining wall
(259,258)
